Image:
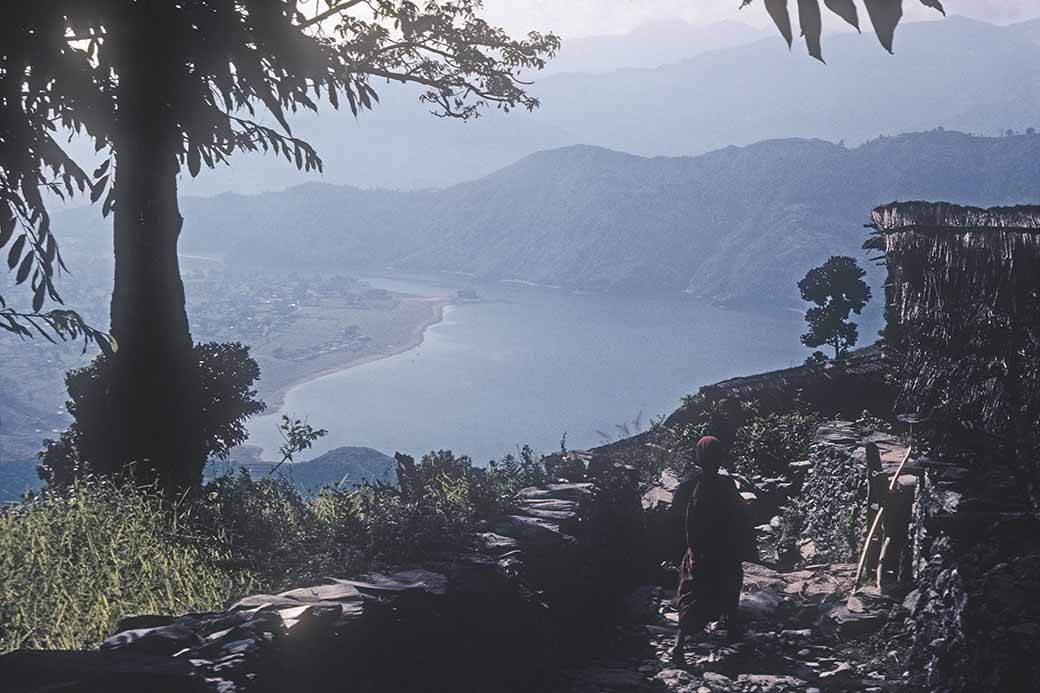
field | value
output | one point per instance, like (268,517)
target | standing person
(716,537)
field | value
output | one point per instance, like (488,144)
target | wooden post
(877,519)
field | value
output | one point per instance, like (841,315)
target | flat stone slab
(850,624)
(573,492)
(264,601)
(554,515)
(497,543)
(554,504)
(340,591)
(534,530)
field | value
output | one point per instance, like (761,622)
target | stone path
(805,632)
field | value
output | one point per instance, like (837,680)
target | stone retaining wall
(976,607)
(833,502)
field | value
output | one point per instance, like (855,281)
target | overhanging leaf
(16,252)
(885,16)
(777,9)
(194,161)
(934,4)
(24,269)
(812,26)
(846,9)
(98,189)
(38,297)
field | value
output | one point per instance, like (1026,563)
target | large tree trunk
(154,383)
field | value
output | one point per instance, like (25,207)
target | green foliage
(297,436)
(758,444)
(817,359)
(837,289)
(227,373)
(66,325)
(73,562)
(266,522)
(286,538)
(523,469)
(659,451)
(765,445)
(704,416)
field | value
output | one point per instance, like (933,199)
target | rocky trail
(805,631)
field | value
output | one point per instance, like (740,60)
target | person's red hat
(709,449)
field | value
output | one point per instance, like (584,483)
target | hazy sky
(585,17)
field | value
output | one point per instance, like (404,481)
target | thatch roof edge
(944,216)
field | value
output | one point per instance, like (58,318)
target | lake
(527,364)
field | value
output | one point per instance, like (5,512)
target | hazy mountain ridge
(651,45)
(959,73)
(589,218)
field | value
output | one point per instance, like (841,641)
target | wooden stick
(877,518)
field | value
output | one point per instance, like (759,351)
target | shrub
(73,562)
(227,374)
(284,538)
(765,445)
(266,523)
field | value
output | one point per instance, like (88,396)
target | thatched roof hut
(963,309)
(946,259)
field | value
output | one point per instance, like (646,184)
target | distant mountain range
(722,85)
(738,226)
(651,45)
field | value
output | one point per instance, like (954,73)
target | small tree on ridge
(836,289)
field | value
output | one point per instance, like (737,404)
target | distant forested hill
(738,226)
(350,466)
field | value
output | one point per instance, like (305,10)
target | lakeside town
(298,326)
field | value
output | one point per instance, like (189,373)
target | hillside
(589,218)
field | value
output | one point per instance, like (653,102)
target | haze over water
(527,364)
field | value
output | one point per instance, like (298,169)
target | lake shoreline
(275,399)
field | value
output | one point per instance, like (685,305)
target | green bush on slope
(767,444)
(286,538)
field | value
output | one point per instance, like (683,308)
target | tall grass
(73,563)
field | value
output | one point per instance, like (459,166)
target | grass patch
(73,563)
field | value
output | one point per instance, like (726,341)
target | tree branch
(331,12)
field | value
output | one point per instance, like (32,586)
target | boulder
(163,640)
